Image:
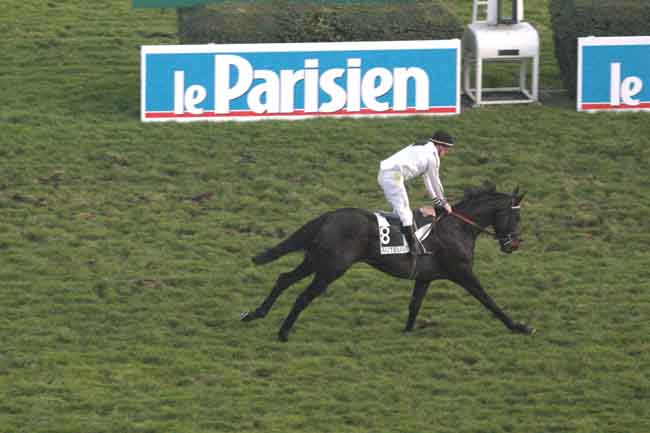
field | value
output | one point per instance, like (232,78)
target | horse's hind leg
(419,291)
(315,289)
(286,279)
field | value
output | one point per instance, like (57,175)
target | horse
(335,240)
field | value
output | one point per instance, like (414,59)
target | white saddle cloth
(392,241)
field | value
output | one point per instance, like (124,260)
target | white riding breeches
(392,182)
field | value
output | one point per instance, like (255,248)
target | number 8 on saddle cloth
(391,238)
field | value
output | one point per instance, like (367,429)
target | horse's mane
(474,192)
(486,190)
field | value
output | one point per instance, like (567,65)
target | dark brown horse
(336,240)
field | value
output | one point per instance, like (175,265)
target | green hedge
(288,21)
(572,19)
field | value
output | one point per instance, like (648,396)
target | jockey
(421,158)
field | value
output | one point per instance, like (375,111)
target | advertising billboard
(169,3)
(299,80)
(614,73)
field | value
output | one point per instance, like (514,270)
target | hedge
(288,21)
(572,19)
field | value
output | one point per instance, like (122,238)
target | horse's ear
(516,197)
(520,197)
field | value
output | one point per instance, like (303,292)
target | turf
(125,258)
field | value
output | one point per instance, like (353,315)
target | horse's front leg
(470,282)
(419,291)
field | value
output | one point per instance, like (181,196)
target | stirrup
(424,252)
(418,250)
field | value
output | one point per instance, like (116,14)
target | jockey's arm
(434,187)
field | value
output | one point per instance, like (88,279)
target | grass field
(120,296)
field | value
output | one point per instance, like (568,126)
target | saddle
(421,217)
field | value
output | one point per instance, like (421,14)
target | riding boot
(415,247)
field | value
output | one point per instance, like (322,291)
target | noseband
(511,236)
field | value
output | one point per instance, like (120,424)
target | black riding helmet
(442,138)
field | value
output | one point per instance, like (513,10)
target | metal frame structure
(493,38)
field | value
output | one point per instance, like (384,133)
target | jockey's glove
(438,202)
(440,206)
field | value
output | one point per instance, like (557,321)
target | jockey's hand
(442,210)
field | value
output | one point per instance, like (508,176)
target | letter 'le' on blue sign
(614,73)
(293,81)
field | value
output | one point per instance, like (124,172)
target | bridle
(504,240)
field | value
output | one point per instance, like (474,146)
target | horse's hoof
(525,329)
(528,330)
(426,323)
(283,336)
(246,316)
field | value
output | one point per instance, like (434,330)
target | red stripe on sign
(607,106)
(365,111)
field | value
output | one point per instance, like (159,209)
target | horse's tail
(297,241)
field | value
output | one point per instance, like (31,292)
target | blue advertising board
(295,81)
(614,73)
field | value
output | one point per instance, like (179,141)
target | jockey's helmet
(442,138)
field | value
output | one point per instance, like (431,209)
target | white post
(535,83)
(479,79)
(493,12)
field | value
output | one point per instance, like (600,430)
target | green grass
(119,297)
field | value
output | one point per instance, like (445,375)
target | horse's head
(507,223)
(486,207)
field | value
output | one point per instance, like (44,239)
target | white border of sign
(293,47)
(590,41)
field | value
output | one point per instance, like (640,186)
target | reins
(474,224)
